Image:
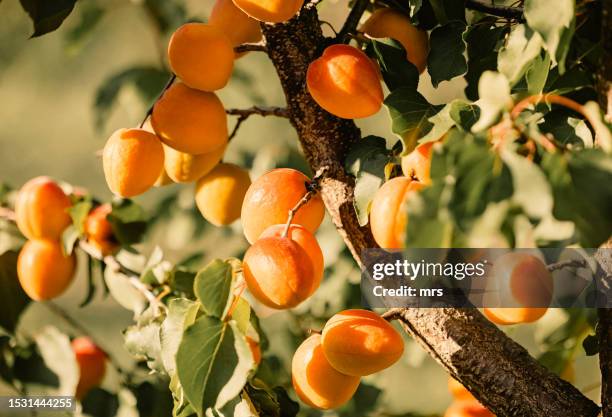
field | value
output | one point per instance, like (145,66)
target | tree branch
(497,370)
(488,7)
(244,114)
(251,47)
(350,25)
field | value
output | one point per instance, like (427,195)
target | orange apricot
(220,193)
(360,342)
(388,218)
(92,365)
(315,381)
(307,241)
(458,391)
(133,160)
(189,120)
(41,209)
(391,23)
(270,198)
(237,25)
(345,82)
(202,56)
(514,315)
(99,230)
(184,167)
(44,271)
(163,180)
(278,272)
(417,164)
(255,349)
(273,11)
(468,408)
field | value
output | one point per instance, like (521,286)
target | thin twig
(244,114)
(251,47)
(150,110)
(573,263)
(312,188)
(488,7)
(350,25)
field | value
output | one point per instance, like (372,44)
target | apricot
(279,272)
(360,342)
(92,365)
(270,198)
(41,209)
(99,230)
(237,25)
(307,241)
(189,120)
(255,349)
(315,381)
(469,408)
(345,82)
(219,194)
(458,391)
(273,11)
(391,23)
(163,180)
(44,271)
(133,160)
(184,167)
(417,164)
(516,315)
(388,218)
(202,56)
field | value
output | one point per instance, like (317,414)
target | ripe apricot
(41,209)
(237,25)
(345,82)
(278,272)
(163,179)
(360,342)
(133,160)
(184,167)
(44,271)
(270,198)
(388,218)
(469,408)
(417,164)
(92,365)
(99,230)
(255,349)
(307,241)
(507,316)
(202,56)
(391,23)
(273,11)
(458,391)
(315,381)
(189,120)
(219,194)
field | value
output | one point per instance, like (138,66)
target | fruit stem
(350,25)
(312,188)
(244,114)
(161,93)
(251,47)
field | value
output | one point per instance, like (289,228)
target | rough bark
(499,372)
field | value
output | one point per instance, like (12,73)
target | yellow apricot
(236,24)
(307,241)
(184,167)
(133,160)
(273,11)
(99,230)
(345,82)
(360,342)
(388,218)
(278,272)
(417,164)
(92,365)
(44,271)
(315,381)
(219,194)
(41,209)
(270,198)
(202,56)
(467,408)
(189,120)
(391,23)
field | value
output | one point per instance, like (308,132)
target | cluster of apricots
(346,82)
(327,368)
(464,403)
(91,361)
(41,211)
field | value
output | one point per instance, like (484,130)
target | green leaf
(78,213)
(168,15)
(410,113)
(522,47)
(58,355)
(483,40)
(271,402)
(143,340)
(446,58)
(90,16)
(181,282)
(603,135)
(47,15)
(366,160)
(14,298)
(128,220)
(213,287)
(212,363)
(494,92)
(537,74)
(123,291)
(396,70)
(181,314)
(448,10)
(554,20)
(458,113)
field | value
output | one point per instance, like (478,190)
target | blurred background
(63,94)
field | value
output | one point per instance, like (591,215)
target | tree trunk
(499,372)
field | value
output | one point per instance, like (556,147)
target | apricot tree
(522,160)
